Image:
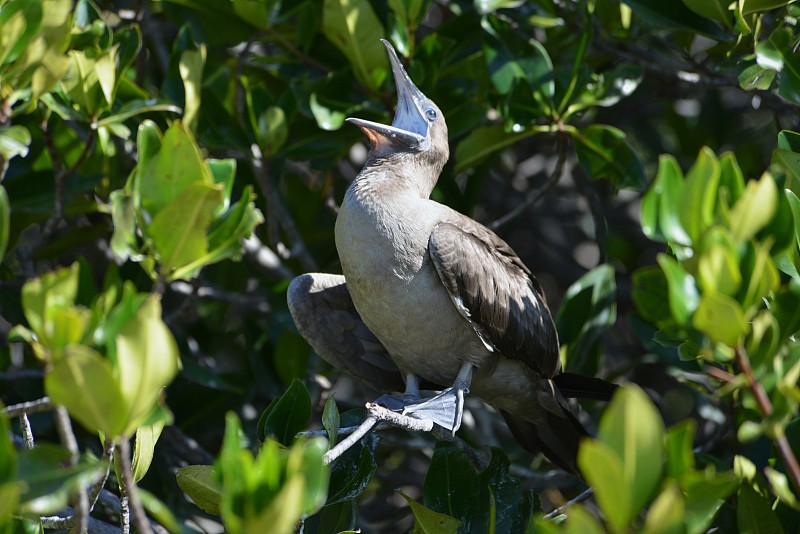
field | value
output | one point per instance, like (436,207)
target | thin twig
(128,487)
(585,494)
(60,175)
(596,209)
(27,431)
(536,196)
(65,433)
(350,440)
(35,406)
(124,511)
(765,406)
(108,454)
(67,437)
(377,413)
(277,213)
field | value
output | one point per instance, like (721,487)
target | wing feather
(496,292)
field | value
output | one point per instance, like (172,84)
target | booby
(431,297)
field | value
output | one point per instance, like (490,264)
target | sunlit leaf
(148,359)
(485,141)
(200,484)
(720,317)
(755,208)
(426,521)
(665,515)
(683,295)
(353,28)
(179,230)
(74,380)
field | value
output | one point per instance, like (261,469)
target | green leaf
(753,6)
(660,220)
(148,359)
(287,415)
(589,309)
(352,472)
(200,484)
(179,230)
(306,461)
(137,107)
(716,10)
(683,295)
(510,507)
(482,142)
(271,130)
(777,53)
(704,494)
(339,518)
(632,428)
(780,486)
(604,153)
(167,168)
(330,420)
(604,471)
(426,521)
(760,276)
(327,118)
(680,440)
(665,515)
(673,15)
(755,208)
(651,295)
(754,513)
(511,59)
(191,70)
(718,268)
(14,141)
(755,77)
(354,28)
(85,383)
(51,290)
(720,317)
(786,311)
(48,485)
(255,12)
(453,487)
(123,214)
(159,511)
(143,449)
(696,209)
(5,222)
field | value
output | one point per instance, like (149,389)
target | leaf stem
(765,406)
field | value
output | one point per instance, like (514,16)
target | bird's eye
(431,114)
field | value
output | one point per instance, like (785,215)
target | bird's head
(418,131)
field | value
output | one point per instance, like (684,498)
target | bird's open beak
(410,128)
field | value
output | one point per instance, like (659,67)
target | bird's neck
(398,174)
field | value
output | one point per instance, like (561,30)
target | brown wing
(325,316)
(496,292)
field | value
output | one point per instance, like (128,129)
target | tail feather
(558,438)
(575,386)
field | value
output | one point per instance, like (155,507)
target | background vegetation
(167,166)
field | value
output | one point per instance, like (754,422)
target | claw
(445,409)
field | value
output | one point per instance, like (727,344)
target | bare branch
(128,487)
(35,406)
(537,195)
(377,413)
(27,432)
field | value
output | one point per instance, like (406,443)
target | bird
(430,298)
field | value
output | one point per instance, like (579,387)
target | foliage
(142,149)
